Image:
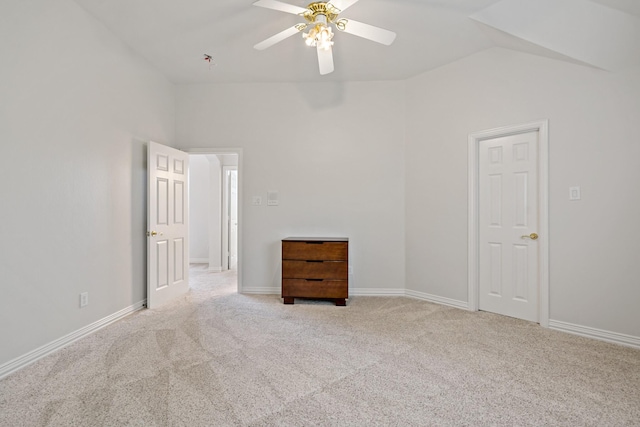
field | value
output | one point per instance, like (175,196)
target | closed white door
(167,224)
(508,223)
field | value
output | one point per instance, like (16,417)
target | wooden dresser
(314,267)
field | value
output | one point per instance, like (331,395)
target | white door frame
(238,152)
(225,214)
(542,127)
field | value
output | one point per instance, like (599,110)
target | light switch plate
(272,198)
(84,299)
(574,193)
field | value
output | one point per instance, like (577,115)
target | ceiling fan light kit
(320,35)
(321,16)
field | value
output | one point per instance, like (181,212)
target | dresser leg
(341,302)
(288,300)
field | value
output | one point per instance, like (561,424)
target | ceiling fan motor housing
(329,11)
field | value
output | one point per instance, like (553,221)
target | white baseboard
(372,292)
(262,291)
(376,292)
(32,356)
(598,334)
(437,300)
(215,269)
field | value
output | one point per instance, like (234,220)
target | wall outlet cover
(574,193)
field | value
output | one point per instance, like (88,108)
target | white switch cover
(84,299)
(574,193)
(256,200)
(272,198)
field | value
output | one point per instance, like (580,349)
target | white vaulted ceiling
(174,36)
(585,31)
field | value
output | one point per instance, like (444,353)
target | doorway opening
(485,260)
(215,217)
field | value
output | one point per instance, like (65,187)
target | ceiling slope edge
(584,31)
(508,41)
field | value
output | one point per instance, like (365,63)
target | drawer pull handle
(314,243)
(314,280)
(313,260)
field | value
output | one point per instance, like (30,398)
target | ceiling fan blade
(282,7)
(341,5)
(279,37)
(325,60)
(370,32)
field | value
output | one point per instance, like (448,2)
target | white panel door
(508,223)
(167,224)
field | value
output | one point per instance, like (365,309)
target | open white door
(230,218)
(167,224)
(233,219)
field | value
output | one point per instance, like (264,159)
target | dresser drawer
(315,270)
(315,288)
(326,251)
(315,267)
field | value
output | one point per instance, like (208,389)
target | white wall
(228,159)
(205,205)
(215,213)
(335,154)
(199,194)
(75,106)
(594,127)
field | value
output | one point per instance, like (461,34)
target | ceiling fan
(320,16)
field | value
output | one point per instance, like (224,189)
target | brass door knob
(153,233)
(532,236)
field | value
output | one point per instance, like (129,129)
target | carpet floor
(217,358)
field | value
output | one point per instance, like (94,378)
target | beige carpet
(216,358)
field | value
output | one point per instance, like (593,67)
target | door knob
(532,236)
(153,233)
